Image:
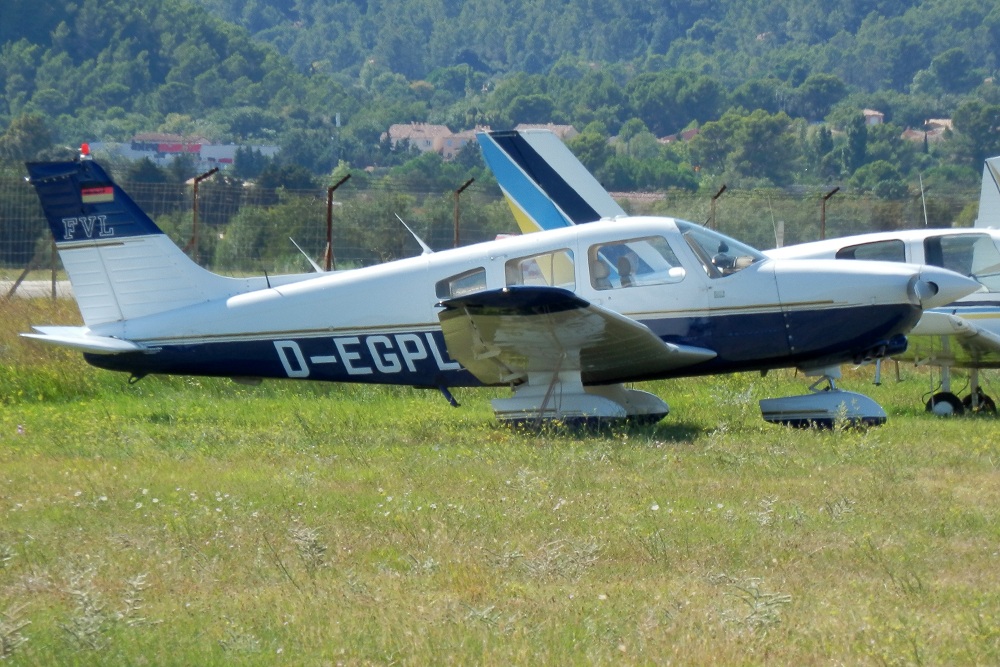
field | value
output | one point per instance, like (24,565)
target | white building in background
(162,149)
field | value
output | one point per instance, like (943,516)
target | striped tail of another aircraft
(989,196)
(546,186)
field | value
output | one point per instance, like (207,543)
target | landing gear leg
(978,401)
(944,403)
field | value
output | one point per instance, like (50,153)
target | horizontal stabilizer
(80,338)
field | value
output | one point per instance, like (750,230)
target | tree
(757,145)
(763,147)
(857,142)
(591,148)
(530,109)
(668,101)
(145,170)
(768,94)
(954,72)
(26,137)
(290,176)
(886,143)
(248,163)
(881,179)
(596,96)
(631,129)
(818,93)
(979,125)
(427,172)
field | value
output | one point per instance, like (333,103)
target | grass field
(198,522)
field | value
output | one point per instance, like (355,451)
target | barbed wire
(365,230)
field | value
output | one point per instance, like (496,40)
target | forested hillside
(732,40)
(776,89)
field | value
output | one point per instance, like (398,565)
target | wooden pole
(329,261)
(457,193)
(193,243)
(822,217)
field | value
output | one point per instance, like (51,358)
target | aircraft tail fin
(546,186)
(121,265)
(989,195)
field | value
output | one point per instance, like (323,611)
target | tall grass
(182,521)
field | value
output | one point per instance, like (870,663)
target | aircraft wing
(973,345)
(81,339)
(501,336)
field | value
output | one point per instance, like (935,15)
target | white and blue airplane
(964,334)
(547,187)
(563,317)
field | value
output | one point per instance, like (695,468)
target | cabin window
(891,250)
(973,255)
(464,283)
(553,269)
(633,263)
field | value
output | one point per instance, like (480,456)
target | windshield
(719,255)
(973,255)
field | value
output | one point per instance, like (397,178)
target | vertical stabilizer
(120,263)
(989,195)
(545,185)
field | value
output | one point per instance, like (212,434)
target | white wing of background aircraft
(563,317)
(964,334)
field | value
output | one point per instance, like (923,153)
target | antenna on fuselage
(427,249)
(317,267)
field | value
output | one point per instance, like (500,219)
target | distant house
(162,148)
(873,117)
(453,145)
(934,130)
(686,135)
(426,137)
(422,136)
(564,132)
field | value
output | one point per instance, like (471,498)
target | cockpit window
(632,263)
(973,255)
(719,255)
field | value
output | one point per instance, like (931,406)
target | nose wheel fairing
(823,408)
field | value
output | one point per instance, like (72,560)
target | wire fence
(240,230)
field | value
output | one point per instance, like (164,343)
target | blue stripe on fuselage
(757,341)
(743,342)
(413,358)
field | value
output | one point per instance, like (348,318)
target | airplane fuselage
(974,252)
(380,324)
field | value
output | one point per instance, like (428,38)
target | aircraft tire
(986,404)
(945,404)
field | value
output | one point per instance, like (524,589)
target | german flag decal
(97,194)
